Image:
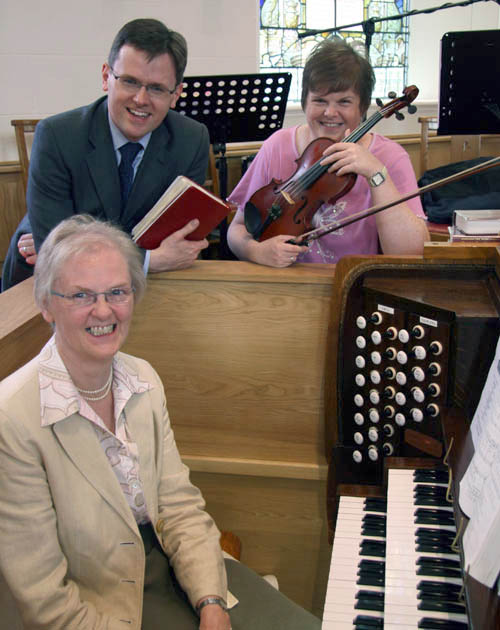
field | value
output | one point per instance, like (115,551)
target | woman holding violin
(336,93)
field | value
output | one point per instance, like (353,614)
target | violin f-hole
(296,218)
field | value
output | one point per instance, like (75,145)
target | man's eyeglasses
(87,298)
(133,86)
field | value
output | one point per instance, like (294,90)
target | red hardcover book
(182,201)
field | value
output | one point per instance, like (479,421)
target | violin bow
(313,235)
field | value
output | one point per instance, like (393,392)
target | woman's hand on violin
(276,252)
(273,252)
(351,157)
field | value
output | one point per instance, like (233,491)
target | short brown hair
(153,38)
(334,66)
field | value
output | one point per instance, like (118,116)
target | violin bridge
(287,197)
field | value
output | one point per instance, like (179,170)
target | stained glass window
(281,49)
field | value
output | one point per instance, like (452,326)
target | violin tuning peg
(392,95)
(379,102)
(399,116)
(411,109)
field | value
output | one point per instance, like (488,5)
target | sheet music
(480,486)
(490,399)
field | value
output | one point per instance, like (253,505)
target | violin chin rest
(253,222)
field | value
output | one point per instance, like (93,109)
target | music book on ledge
(183,200)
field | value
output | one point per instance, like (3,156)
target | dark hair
(334,66)
(153,38)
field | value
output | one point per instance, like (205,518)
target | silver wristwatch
(211,600)
(378,178)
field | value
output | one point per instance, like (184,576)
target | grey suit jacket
(73,170)
(70,549)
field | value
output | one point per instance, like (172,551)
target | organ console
(411,342)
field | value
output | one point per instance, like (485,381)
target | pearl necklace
(95,394)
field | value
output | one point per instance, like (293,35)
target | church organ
(411,344)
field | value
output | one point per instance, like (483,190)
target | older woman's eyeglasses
(131,85)
(87,298)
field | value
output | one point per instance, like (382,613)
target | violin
(288,208)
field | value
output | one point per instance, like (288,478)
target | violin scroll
(410,93)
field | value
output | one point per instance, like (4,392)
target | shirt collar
(119,139)
(59,397)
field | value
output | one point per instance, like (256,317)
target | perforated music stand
(469,93)
(235,108)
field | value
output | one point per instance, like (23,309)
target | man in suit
(76,156)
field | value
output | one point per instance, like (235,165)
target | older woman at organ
(100,527)
(336,92)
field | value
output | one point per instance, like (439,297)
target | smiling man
(76,156)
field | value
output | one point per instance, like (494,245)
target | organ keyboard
(423,573)
(411,344)
(393,565)
(352,547)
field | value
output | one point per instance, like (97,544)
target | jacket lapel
(139,418)
(79,441)
(101,161)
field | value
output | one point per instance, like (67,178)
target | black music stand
(469,95)
(235,108)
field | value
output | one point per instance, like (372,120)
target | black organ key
(431,475)
(431,516)
(376,504)
(366,622)
(369,600)
(441,624)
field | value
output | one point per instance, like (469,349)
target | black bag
(476,192)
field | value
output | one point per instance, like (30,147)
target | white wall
(426,31)
(51,52)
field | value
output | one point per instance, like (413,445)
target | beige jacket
(70,549)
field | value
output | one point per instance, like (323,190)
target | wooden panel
(23,331)
(241,353)
(12,204)
(282,526)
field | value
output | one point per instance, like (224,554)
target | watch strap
(211,600)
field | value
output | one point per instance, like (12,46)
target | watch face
(377,179)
